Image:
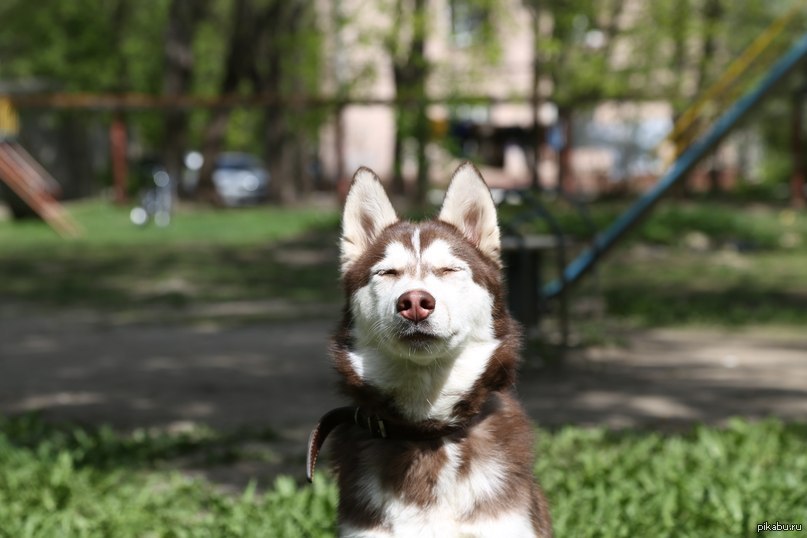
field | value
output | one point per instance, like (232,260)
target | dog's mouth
(418,336)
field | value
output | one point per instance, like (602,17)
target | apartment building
(611,141)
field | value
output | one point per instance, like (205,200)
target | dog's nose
(416,305)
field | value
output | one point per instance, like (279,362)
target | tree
(291,51)
(273,52)
(238,65)
(80,46)
(577,57)
(183,20)
(405,46)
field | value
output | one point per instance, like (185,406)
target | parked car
(240,178)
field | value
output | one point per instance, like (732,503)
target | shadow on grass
(103,448)
(732,306)
(303,269)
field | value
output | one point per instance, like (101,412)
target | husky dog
(437,444)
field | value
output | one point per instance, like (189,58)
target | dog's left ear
(469,207)
(367,212)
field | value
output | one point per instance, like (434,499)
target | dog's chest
(446,492)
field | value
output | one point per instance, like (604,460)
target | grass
(700,262)
(706,262)
(204,256)
(712,482)
(67,481)
(108,226)
(62,481)
(744,226)
(679,287)
(70,481)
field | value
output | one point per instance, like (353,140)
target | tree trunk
(410,74)
(278,156)
(212,142)
(712,12)
(536,98)
(183,18)
(119,146)
(797,197)
(420,71)
(342,179)
(422,139)
(565,173)
(398,186)
(681,13)
(280,141)
(239,65)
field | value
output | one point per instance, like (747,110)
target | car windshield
(237,162)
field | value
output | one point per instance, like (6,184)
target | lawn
(75,482)
(676,286)
(108,226)
(65,481)
(743,226)
(695,262)
(698,262)
(204,256)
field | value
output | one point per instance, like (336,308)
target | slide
(604,241)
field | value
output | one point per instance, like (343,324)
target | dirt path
(87,368)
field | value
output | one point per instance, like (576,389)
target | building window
(467,21)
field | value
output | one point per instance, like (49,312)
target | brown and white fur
(443,355)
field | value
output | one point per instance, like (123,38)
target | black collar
(381,428)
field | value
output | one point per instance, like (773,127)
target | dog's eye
(387,272)
(448,270)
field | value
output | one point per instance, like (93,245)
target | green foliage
(118,46)
(73,482)
(81,46)
(712,482)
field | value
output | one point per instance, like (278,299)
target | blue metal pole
(604,241)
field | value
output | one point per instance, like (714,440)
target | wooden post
(342,180)
(566,182)
(535,179)
(797,198)
(117,145)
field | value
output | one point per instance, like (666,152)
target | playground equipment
(693,145)
(27,179)
(735,80)
(156,200)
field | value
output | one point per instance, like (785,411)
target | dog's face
(421,291)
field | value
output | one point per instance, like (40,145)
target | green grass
(712,482)
(65,481)
(743,225)
(753,272)
(204,256)
(703,262)
(108,226)
(60,481)
(679,287)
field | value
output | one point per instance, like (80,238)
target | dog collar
(379,429)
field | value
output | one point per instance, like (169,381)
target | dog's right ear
(367,212)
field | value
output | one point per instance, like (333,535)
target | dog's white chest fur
(452,514)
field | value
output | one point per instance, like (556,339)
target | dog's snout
(416,305)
